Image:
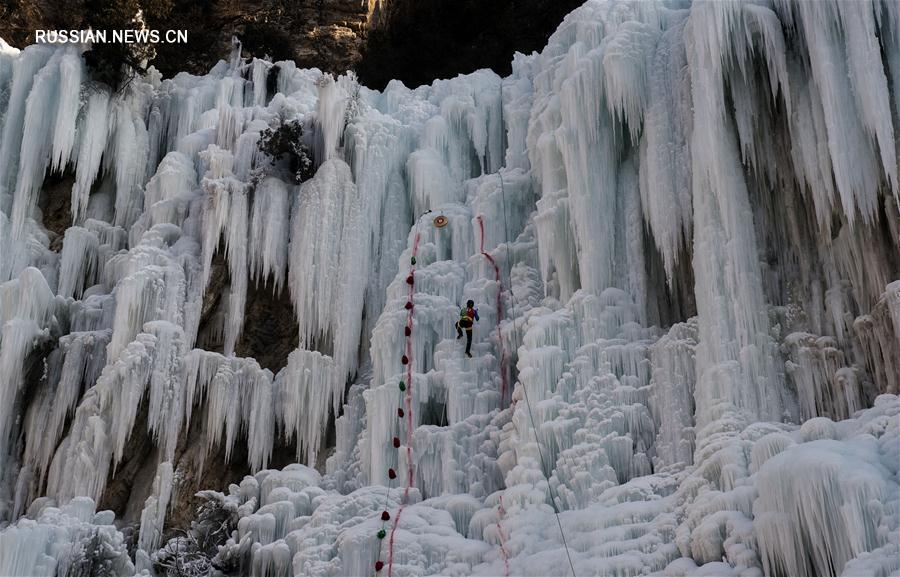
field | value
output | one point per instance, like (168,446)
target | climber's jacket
(466,318)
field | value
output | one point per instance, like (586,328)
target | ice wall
(679,222)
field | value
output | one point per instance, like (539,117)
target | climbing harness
(465,319)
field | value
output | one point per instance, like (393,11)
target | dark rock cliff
(415,41)
(315,33)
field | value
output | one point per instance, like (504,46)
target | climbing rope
(512,303)
(405,410)
(502,533)
(549,485)
(504,383)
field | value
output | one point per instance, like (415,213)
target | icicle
(79,364)
(102,424)
(93,129)
(236,251)
(229,126)
(166,384)
(238,397)
(825,386)
(70,71)
(62,540)
(153,293)
(672,400)
(27,309)
(37,139)
(430,182)
(303,399)
(20,336)
(130,147)
(625,64)
(330,109)
(174,177)
(665,150)
(79,262)
(269,232)
(155,508)
(378,148)
(736,357)
(260,73)
(817,509)
(327,235)
(25,74)
(869,83)
(852,155)
(217,204)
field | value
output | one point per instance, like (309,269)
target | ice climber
(467,318)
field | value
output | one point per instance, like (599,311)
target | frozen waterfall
(680,224)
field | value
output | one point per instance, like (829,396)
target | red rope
(503,552)
(391,540)
(504,385)
(503,381)
(409,415)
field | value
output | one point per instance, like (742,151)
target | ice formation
(679,222)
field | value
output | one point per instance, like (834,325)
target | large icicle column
(680,224)
(738,368)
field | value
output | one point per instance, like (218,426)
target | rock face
(414,41)
(417,41)
(325,34)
